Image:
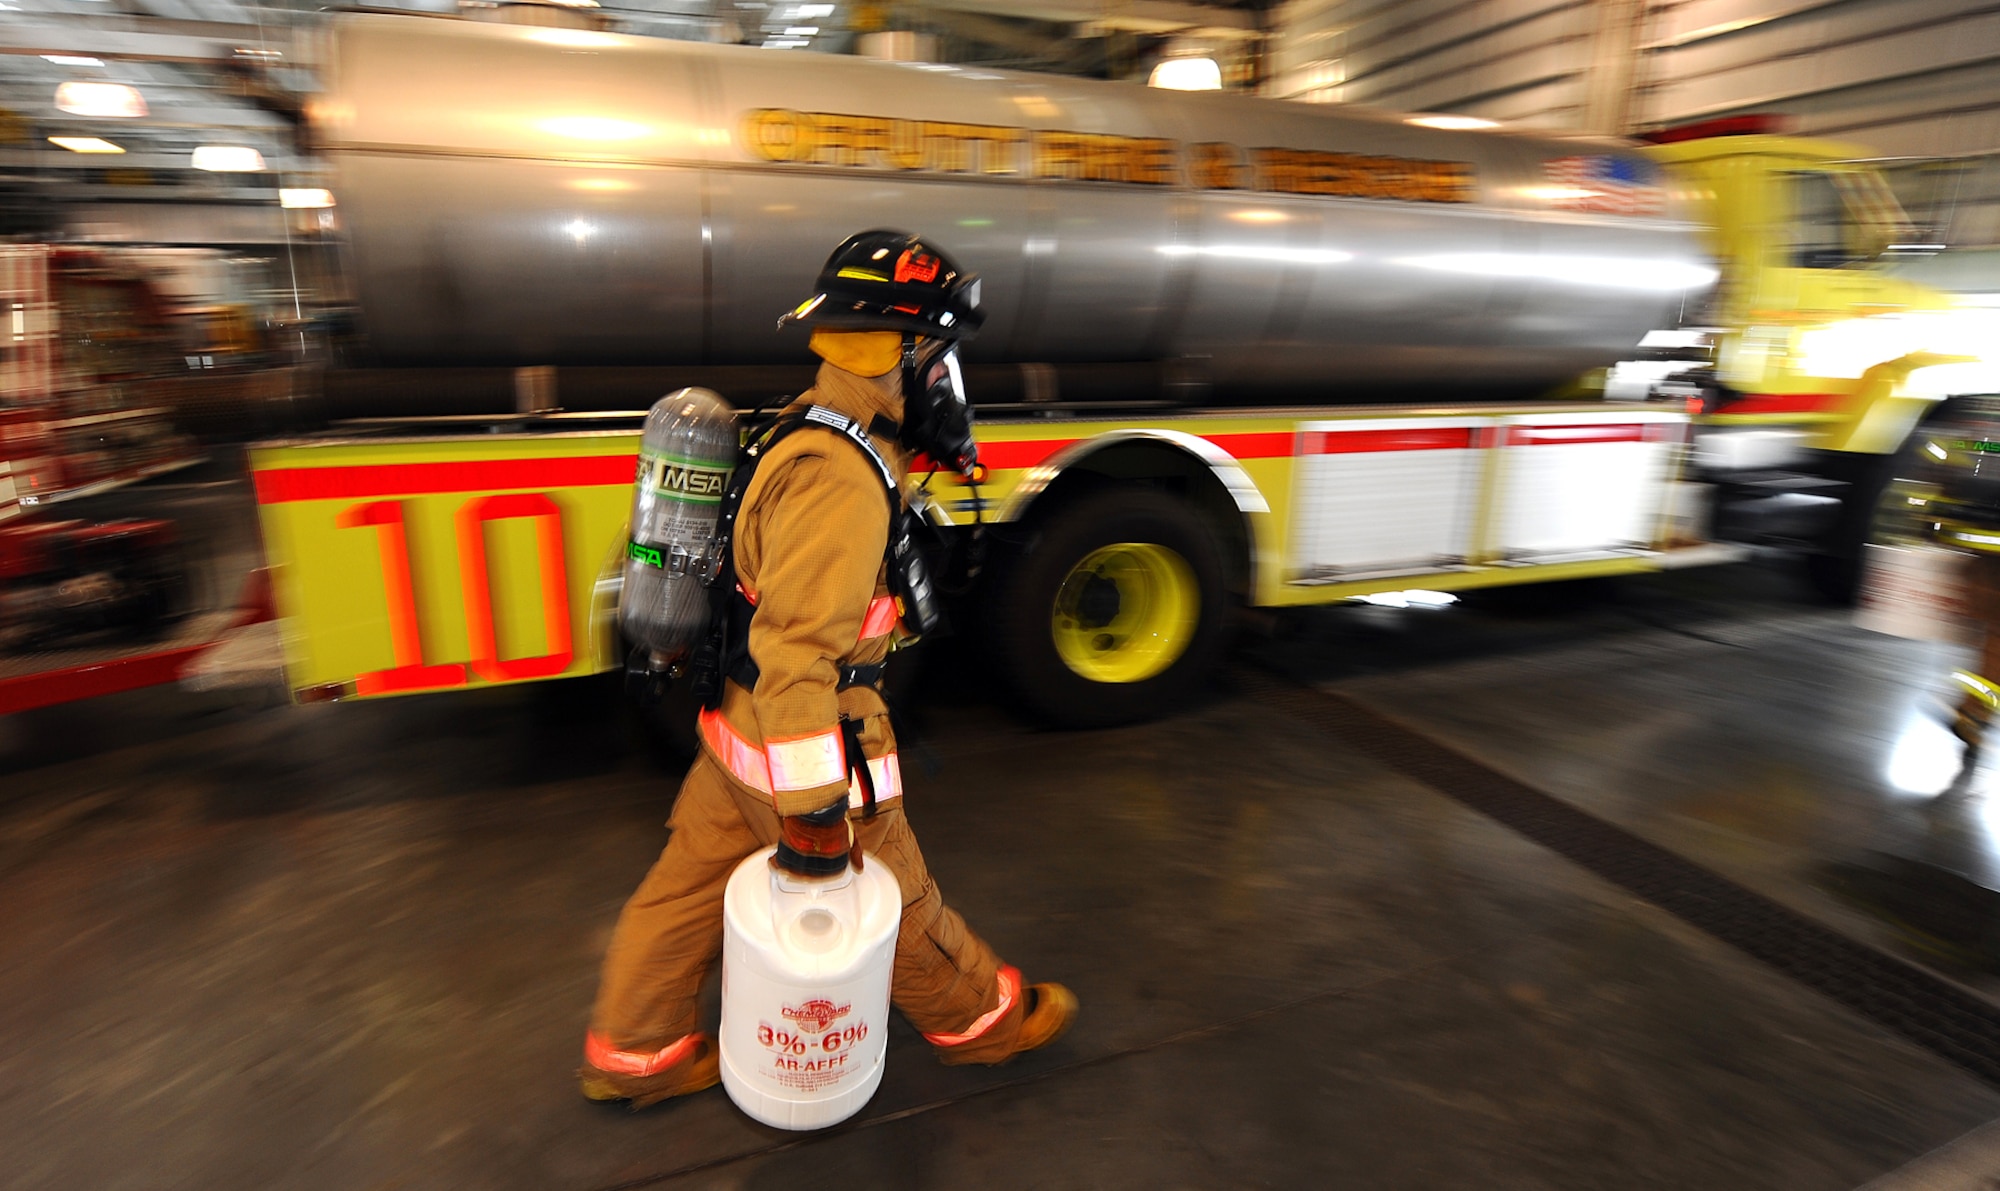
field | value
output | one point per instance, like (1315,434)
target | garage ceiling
(217,72)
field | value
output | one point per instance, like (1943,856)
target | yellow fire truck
(1370,301)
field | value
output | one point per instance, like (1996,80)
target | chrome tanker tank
(528,196)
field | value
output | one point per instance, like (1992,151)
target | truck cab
(1822,360)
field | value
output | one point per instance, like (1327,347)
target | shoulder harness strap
(727,650)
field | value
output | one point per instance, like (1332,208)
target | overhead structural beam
(1134,16)
(988,30)
(49,160)
(193,117)
(94,41)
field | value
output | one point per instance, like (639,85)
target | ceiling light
(1453,123)
(228,159)
(808,11)
(85,144)
(802,31)
(1187,74)
(305,197)
(110,100)
(72,60)
(783,43)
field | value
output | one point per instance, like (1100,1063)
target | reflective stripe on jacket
(751,765)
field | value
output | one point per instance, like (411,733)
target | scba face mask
(937,418)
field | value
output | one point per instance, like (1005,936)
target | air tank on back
(686,452)
(527,196)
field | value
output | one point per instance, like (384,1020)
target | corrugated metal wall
(1917,79)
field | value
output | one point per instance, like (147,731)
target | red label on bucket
(816,1015)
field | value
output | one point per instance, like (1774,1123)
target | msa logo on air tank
(682,480)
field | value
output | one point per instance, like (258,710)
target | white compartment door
(1386,494)
(1584,483)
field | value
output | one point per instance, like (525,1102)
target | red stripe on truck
(1011,456)
(1274,444)
(1779,403)
(1546,436)
(26,692)
(1415,438)
(282,485)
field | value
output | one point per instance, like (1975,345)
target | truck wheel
(1113,611)
(1835,568)
(1836,577)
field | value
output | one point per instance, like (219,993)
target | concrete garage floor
(354,946)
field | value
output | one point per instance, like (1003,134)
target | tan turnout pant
(670,932)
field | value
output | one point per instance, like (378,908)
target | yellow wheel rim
(1126,612)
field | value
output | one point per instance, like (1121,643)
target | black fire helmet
(884,280)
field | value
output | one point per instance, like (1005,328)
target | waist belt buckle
(851,676)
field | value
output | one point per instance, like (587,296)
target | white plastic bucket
(805,990)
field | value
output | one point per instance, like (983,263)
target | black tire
(1837,576)
(1026,603)
(1834,570)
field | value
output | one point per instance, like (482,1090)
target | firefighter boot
(1969,725)
(689,1065)
(1046,1014)
(1974,712)
(1050,1010)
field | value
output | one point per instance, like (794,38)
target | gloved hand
(817,844)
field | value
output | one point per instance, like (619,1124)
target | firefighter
(800,737)
(1972,718)
(1947,494)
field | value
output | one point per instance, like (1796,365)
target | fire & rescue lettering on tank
(935,146)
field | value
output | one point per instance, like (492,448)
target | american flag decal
(1604,184)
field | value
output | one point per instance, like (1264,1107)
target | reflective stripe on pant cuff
(888,775)
(1010,989)
(1979,688)
(600,1054)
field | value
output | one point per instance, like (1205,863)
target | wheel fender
(1891,405)
(1241,489)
